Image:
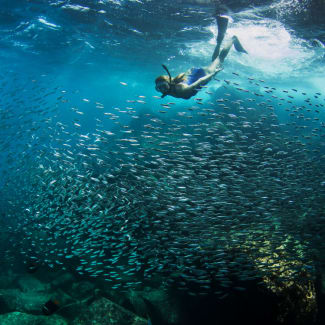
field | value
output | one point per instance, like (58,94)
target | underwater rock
(320,292)
(160,306)
(28,283)
(63,280)
(17,318)
(292,285)
(105,312)
(82,289)
(16,300)
(6,281)
(137,302)
(323,285)
(74,303)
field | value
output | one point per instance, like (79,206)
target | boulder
(28,283)
(63,280)
(137,303)
(6,280)
(105,312)
(82,289)
(160,305)
(16,300)
(17,318)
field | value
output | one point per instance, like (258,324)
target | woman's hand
(218,70)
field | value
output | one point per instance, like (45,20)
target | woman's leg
(216,64)
(222,23)
(220,59)
(226,49)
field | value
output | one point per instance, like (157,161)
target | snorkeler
(187,84)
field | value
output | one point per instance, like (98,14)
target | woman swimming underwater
(187,84)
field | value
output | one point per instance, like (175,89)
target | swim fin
(238,46)
(222,23)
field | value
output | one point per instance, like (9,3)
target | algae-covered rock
(82,289)
(105,312)
(289,278)
(17,318)
(63,280)
(322,283)
(5,281)
(137,302)
(16,300)
(160,305)
(29,283)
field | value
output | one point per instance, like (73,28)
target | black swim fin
(238,46)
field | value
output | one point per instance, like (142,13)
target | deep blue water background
(61,58)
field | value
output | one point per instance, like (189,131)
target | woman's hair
(162,78)
(179,78)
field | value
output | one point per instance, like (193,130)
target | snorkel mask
(164,86)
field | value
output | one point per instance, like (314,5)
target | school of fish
(203,199)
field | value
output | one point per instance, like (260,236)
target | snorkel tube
(170,77)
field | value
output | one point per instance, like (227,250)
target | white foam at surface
(273,50)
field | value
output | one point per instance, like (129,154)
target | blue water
(66,67)
(84,50)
